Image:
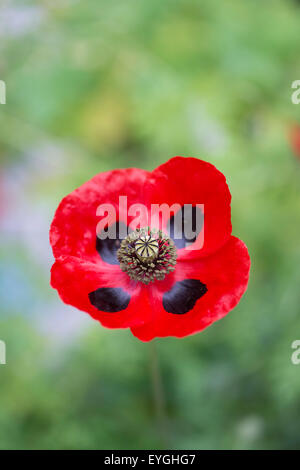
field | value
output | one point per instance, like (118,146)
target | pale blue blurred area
(15,290)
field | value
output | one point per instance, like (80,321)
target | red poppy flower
(146,281)
(294,138)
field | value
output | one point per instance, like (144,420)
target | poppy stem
(158,393)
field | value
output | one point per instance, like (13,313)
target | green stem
(158,393)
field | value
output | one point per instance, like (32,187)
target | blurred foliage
(94,85)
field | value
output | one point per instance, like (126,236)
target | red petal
(75,279)
(225,274)
(73,230)
(193,181)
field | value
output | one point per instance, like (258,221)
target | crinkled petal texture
(105,293)
(208,280)
(86,273)
(200,292)
(192,181)
(73,230)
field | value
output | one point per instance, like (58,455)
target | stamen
(147,255)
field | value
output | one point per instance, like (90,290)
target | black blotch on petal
(110,299)
(108,247)
(183,225)
(183,296)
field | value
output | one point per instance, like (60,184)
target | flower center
(146,248)
(147,255)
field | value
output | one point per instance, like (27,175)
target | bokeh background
(94,85)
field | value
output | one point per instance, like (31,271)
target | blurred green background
(94,85)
